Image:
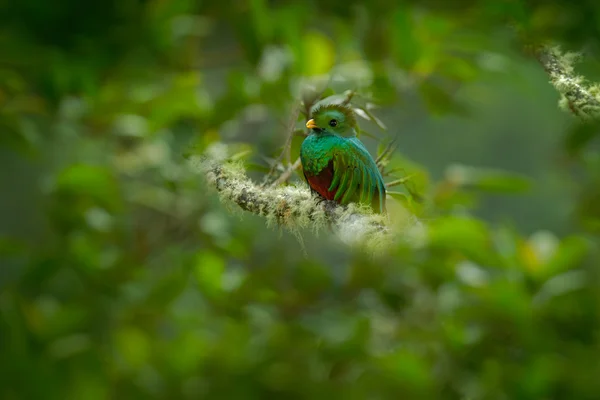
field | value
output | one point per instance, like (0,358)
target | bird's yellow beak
(311,124)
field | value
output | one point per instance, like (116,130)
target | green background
(122,276)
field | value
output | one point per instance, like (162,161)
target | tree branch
(295,207)
(577,96)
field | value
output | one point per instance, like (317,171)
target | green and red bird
(336,164)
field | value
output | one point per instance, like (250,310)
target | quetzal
(335,162)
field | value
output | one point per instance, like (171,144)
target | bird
(336,164)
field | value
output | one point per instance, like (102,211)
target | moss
(577,96)
(295,208)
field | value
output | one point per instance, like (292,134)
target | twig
(291,129)
(349,95)
(391,171)
(577,96)
(389,149)
(397,182)
(287,173)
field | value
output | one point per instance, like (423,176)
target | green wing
(356,176)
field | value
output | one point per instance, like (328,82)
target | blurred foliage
(122,276)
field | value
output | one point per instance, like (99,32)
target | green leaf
(93,181)
(488,180)
(459,69)
(560,285)
(406,200)
(295,147)
(406,45)
(209,269)
(252,166)
(466,235)
(133,345)
(503,183)
(316,43)
(368,134)
(369,116)
(415,175)
(580,136)
(409,370)
(438,99)
(398,195)
(571,252)
(242,154)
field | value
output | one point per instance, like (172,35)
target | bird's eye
(333,123)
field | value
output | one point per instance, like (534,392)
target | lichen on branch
(577,95)
(295,207)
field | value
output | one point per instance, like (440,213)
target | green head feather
(333,119)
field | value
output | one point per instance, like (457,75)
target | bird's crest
(347,111)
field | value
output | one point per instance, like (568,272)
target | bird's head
(333,119)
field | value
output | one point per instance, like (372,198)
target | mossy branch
(293,207)
(577,96)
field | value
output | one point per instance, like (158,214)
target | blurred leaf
(410,372)
(250,166)
(415,177)
(312,277)
(18,135)
(295,147)
(368,115)
(361,113)
(561,285)
(570,253)
(503,183)
(69,345)
(10,246)
(543,370)
(406,45)
(167,289)
(408,201)
(96,182)
(240,155)
(580,136)
(209,269)
(182,99)
(133,345)
(402,197)
(487,180)
(188,351)
(318,52)
(462,234)
(508,301)
(458,69)
(372,136)
(438,99)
